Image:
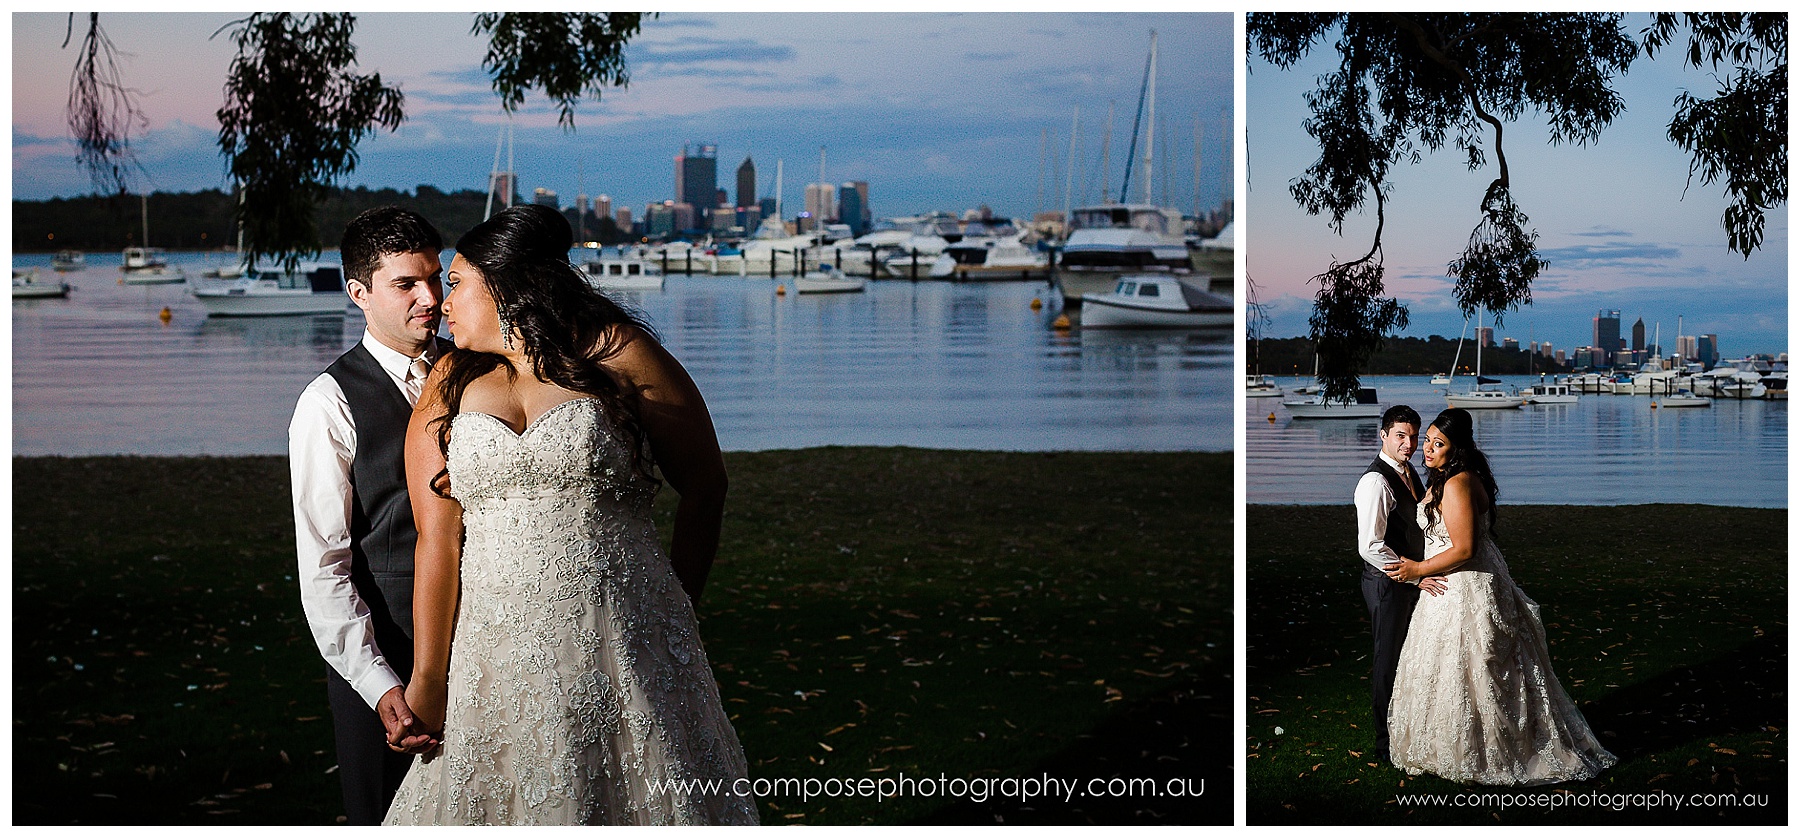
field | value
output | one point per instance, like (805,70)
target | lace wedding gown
(578,689)
(1475,700)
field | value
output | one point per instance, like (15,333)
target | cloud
(1610,254)
(710,50)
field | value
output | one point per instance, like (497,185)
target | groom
(1387,531)
(352,516)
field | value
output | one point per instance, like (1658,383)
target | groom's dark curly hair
(384,231)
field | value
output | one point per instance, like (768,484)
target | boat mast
(1105,153)
(778,197)
(1150,141)
(1069,180)
(1197,168)
(144,203)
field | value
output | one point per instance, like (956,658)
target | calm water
(927,364)
(1603,450)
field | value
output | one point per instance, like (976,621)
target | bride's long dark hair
(566,326)
(1458,427)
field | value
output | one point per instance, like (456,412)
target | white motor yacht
(28,285)
(1364,406)
(312,288)
(990,258)
(68,260)
(828,280)
(623,273)
(1552,392)
(147,266)
(1684,398)
(1156,301)
(1111,240)
(1260,386)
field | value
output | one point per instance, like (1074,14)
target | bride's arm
(1458,511)
(437,561)
(681,436)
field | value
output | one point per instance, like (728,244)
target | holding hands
(407,731)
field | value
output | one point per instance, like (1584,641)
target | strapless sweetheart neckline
(533,423)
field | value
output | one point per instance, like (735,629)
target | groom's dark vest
(1403,535)
(381,522)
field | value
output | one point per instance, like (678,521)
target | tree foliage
(562,53)
(1739,135)
(102,111)
(1412,83)
(1407,84)
(294,111)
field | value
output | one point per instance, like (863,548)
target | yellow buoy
(165,315)
(1061,322)
(1036,304)
(1653,405)
(1271,417)
(781,290)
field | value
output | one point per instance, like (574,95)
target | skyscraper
(821,203)
(697,178)
(1637,335)
(1606,334)
(1484,336)
(1707,350)
(545,198)
(850,208)
(746,183)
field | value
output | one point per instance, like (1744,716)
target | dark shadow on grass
(1695,702)
(1182,735)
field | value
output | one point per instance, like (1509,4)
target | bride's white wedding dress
(578,689)
(1475,699)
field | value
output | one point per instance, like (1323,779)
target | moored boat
(1683,398)
(28,285)
(312,288)
(1156,301)
(146,266)
(828,280)
(1364,406)
(623,273)
(1260,386)
(68,260)
(1552,392)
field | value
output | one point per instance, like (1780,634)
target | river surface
(928,364)
(1603,450)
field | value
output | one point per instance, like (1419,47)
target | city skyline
(1617,220)
(938,112)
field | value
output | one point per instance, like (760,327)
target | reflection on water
(1604,449)
(927,364)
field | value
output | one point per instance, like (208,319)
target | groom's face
(1399,440)
(401,301)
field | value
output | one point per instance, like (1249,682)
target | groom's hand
(402,726)
(1434,585)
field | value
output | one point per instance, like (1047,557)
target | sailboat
(1477,398)
(146,265)
(1113,239)
(1445,378)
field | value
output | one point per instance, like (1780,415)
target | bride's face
(469,309)
(1437,448)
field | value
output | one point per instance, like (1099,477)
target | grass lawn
(1667,625)
(876,612)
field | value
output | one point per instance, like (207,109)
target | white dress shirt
(1374,500)
(321,446)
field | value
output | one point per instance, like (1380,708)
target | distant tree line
(1402,356)
(206,220)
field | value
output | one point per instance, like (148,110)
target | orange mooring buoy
(781,290)
(1036,304)
(1061,322)
(165,315)
(1271,417)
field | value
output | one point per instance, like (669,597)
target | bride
(556,645)
(1475,699)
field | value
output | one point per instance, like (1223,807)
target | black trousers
(370,771)
(1390,610)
